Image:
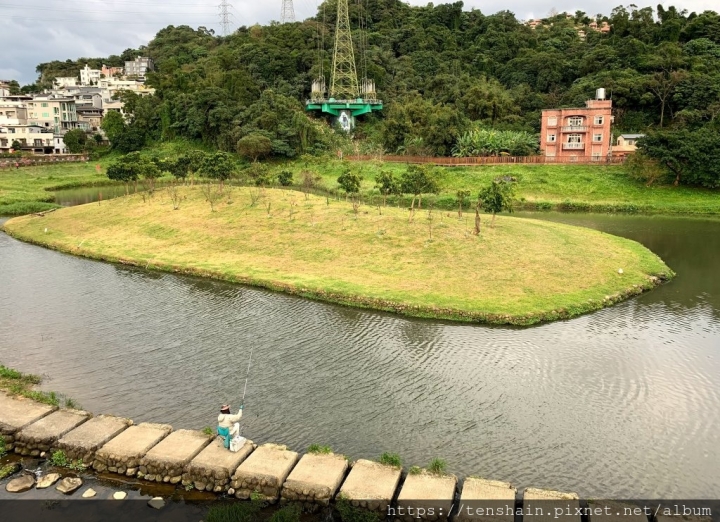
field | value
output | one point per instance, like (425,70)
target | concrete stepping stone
(18,412)
(123,453)
(69,485)
(371,485)
(213,467)
(89,493)
(48,480)
(612,511)
(119,495)
(20,484)
(425,496)
(264,472)
(486,501)
(43,434)
(166,461)
(546,503)
(315,480)
(86,439)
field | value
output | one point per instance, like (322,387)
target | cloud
(38,31)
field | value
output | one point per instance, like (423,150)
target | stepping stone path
(18,412)
(212,468)
(481,500)
(20,484)
(69,485)
(42,435)
(315,480)
(166,461)
(371,485)
(85,440)
(89,493)
(549,500)
(426,496)
(119,495)
(156,503)
(264,472)
(48,480)
(123,453)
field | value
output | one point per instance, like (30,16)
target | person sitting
(228,424)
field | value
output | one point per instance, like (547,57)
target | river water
(624,402)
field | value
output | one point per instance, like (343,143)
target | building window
(574,138)
(45,114)
(551,138)
(575,121)
(552,122)
(599,120)
(597,138)
(56,110)
(631,142)
(44,105)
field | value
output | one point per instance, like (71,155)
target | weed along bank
(424,263)
(78,442)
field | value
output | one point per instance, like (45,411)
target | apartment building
(13,112)
(89,76)
(65,81)
(4,88)
(139,67)
(111,72)
(578,132)
(30,137)
(55,113)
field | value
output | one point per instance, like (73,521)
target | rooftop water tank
(600,94)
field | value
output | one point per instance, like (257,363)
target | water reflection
(624,401)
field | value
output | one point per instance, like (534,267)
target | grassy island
(522,271)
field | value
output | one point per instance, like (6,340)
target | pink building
(578,132)
(109,72)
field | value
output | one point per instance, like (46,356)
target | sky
(38,31)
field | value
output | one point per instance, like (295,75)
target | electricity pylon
(344,83)
(288,12)
(225,16)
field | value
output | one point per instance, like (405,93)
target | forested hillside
(439,70)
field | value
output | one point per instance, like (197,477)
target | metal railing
(567,146)
(574,128)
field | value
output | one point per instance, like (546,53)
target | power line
(288,12)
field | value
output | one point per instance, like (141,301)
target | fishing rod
(242,402)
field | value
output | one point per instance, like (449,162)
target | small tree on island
(462,197)
(387,184)
(254,146)
(123,171)
(219,166)
(496,197)
(418,180)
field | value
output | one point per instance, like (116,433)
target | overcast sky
(38,31)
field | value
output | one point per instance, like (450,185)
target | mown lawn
(522,271)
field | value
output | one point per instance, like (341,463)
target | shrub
(207,430)
(391,459)
(285,178)
(59,459)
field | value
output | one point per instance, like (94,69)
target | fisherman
(228,424)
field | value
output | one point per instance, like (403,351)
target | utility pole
(225,16)
(288,12)
(344,83)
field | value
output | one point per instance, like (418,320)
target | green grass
(391,459)
(437,466)
(319,450)
(9,469)
(523,271)
(22,384)
(587,188)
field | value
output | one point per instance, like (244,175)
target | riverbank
(521,272)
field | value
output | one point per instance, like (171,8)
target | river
(624,402)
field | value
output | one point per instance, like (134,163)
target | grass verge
(521,272)
(23,384)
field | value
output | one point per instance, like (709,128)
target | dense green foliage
(440,71)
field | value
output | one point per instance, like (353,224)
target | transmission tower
(344,83)
(288,12)
(225,16)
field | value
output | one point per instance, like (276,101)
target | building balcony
(573,146)
(575,128)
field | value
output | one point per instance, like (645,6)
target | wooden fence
(493,160)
